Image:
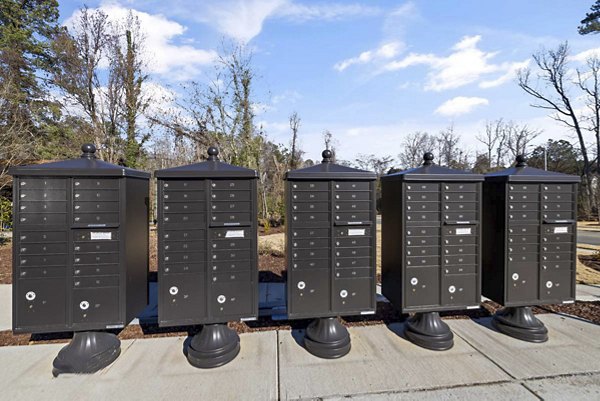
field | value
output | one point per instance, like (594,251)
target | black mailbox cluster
(431,250)
(207,252)
(529,245)
(330,249)
(80,259)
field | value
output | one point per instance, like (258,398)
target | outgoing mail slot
(108,195)
(95,258)
(55,219)
(310,196)
(230,185)
(42,194)
(43,207)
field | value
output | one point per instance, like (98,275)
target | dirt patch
(272,269)
(588,270)
(153,250)
(5,262)
(270,230)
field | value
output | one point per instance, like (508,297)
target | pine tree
(591,22)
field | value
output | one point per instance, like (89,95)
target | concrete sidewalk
(382,365)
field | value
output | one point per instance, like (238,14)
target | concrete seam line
(277,368)
(123,351)
(562,375)
(484,355)
(524,384)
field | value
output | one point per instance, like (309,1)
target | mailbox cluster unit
(330,249)
(431,250)
(80,260)
(529,237)
(207,252)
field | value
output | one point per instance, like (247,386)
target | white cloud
(585,55)
(465,65)
(243,20)
(172,60)
(384,52)
(288,96)
(460,105)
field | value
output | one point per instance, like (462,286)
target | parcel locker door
(309,291)
(422,286)
(182,298)
(96,305)
(556,285)
(522,282)
(231,298)
(41,302)
(352,294)
(460,289)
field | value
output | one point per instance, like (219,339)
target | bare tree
(450,153)
(494,139)
(519,138)
(296,153)
(379,165)
(413,147)
(589,82)
(554,78)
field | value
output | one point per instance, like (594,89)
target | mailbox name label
(356,231)
(463,231)
(100,235)
(234,234)
(561,230)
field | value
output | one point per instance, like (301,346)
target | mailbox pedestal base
(520,323)
(88,352)
(427,330)
(214,346)
(327,338)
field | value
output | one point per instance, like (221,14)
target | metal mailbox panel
(184,257)
(311,206)
(230,185)
(420,261)
(354,252)
(184,207)
(231,255)
(352,196)
(422,287)
(42,183)
(184,196)
(183,297)
(96,305)
(460,269)
(523,239)
(308,219)
(460,289)
(43,194)
(341,243)
(460,240)
(414,232)
(231,206)
(350,206)
(305,196)
(96,218)
(524,187)
(558,188)
(460,187)
(310,232)
(558,206)
(96,235)
(177,185)
(423,196)
(460,250)
(557,257)
(522,282)
(317,253)
(42,272)
(423,206)
(95,183)
(26,237)
(460,197)
(230,217)
(97,270)
(230,195)
(232,298)
(352,294)
(423,187)
(558,247)
(525,248)
(181,268)
(311,186)
(423,250)
(422,216)
(43,207)
(55,219)
(96,207)
(184,235)
(41,302)
(524,207)
(351,185)
(235,265)
(43,248)
(311,264)
(309,291)
(108,195)
(460,259)
(557,197)
(353,217)
(232,276)
(231,244)
(185,218)
(359,272)
(352,262)
(312,243)
(95,258)
(524,197)
(559,215)
(183,246)
(460,216)
(556,284)
(96,281)
(42,260)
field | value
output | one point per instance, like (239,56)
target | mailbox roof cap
(430,172)
(520,172)
(211,168)
(327,170)
(86,165)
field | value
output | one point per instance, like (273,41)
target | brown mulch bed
(5,261)
(271,230)
(590,261)
(272,269)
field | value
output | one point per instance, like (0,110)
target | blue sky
(371,72)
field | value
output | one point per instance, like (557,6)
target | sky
(370,72)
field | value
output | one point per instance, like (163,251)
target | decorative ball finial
(89,151)
(213,153)
(521,161)
(428,159)
(327,155)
